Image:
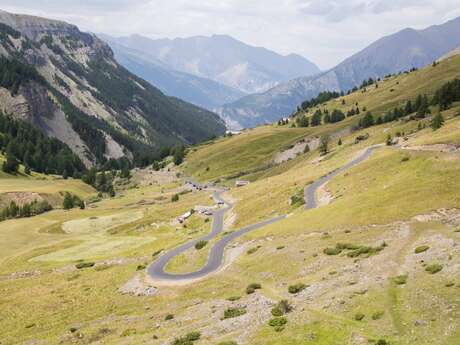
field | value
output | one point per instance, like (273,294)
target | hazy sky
(325,31)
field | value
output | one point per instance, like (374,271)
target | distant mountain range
(68,84)
(220,58)
(398,52)
(197,90)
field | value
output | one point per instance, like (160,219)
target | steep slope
(224,60)
(199,91)
(77,92)
(398,52)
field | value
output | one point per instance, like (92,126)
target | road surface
(216,255)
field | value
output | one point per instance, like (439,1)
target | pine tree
(67,204)
(437,121)
(340,142)
(324,145)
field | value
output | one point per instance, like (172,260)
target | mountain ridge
(241,66)
(393,53)
(88,101)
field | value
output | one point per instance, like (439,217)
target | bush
(382,342)
(377,315)
(251,288)
(188,339)
(233,298)
(296,288)
(283,307)
(278,323)
(400,280)
(140,267)
(169,317)
(227,343)
(359,316)
(234,312)
(200,244)
(332,251)
(84,265)
(421,249)
(253,250)
(434,268)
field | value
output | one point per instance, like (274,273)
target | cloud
(325,31)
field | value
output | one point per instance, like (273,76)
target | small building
(241,183)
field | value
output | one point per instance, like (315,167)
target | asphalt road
(216,255)
(310,190)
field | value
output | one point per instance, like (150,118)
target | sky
(324,31)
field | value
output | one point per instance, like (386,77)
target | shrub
(377,315)
(140,267)
(359,316)
(234,312)
(233,298)
(449,284)
(81,265)
(227,343)
(421,249)
(382,342)
(169,317)
(332,251)
(175,198)
(400,280)
(433,268)
(200,245)
(251,288)
(253,250)
(280,247)
(283,307)
(188,339)
(278,323)
(296,288)
(405,159)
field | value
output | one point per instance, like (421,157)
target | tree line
(29,209)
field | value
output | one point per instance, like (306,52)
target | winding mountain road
(216,255)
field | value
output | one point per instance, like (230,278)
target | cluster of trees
(103,181)
(26,210)
(178,153)
(71,201)
(321,98)
(23,143)
(14,73)
(447,94)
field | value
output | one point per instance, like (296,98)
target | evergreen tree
(340,142)
(316,118)
(367,120)
(408,108)
(324,145)
(437,121)
(10,165)
(68,202)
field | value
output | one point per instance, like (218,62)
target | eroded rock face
(85,99)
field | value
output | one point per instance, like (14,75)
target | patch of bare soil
(296,150)
(324,195)
(138,286)
(150,177)
(447,148)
